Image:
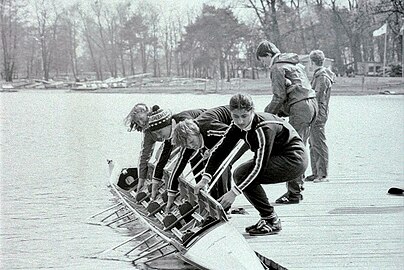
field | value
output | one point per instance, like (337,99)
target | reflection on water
(54,147)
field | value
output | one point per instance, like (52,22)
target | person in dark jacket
(197,137)
(323,78)
(279,156)
(292,97)
(161,124)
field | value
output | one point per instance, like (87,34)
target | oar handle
(225,164)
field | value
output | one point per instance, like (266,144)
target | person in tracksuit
(160,126)
(323,78)
(279,156)
(293,97)
(197,137)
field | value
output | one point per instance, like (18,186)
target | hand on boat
(227,199)
(140,184)
(154,190)
(203,184)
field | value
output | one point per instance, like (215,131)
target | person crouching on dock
(279,156)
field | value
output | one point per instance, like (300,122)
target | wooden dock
(341,224)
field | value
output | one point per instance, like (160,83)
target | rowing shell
(197,231)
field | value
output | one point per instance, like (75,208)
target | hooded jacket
(323,79)
(290,83)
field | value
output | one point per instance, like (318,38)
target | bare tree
(47,19)
(87,24)
(266,12)
(72,25)
(106,24)
(11,32)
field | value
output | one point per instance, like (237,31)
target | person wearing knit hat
(293,96)
(159,118)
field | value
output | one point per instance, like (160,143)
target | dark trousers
(281,168)
(302,116)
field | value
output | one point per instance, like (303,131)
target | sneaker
(320,180)
(266,227)
(289,198)
(249,228)
(310,178)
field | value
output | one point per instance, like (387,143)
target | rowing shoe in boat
(197,231)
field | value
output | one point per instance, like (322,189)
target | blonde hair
(183,130)
(317,57)
(129,120)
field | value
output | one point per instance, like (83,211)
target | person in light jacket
(323,78)
(294,97)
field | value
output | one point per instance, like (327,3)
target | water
(54,147)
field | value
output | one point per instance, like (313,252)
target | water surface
(54,147)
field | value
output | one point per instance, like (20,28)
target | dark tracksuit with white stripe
(279,156)
(167,146)
(212,125)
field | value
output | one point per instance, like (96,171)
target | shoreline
(355,86)
(335,92)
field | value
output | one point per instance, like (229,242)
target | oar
(105,210)
(225,164)
(126,241)
(196,166)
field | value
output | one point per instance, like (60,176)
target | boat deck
(341,224)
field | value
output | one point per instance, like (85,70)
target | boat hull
(204,238)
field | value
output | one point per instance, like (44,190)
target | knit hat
(159,118)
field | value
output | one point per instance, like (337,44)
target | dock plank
(342,224)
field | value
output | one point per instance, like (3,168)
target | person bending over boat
(197,137)
(293,96)
(279,156)
(138,120)
(160,127)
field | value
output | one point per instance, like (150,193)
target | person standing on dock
(323,78)
(279,156)
(292,97)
